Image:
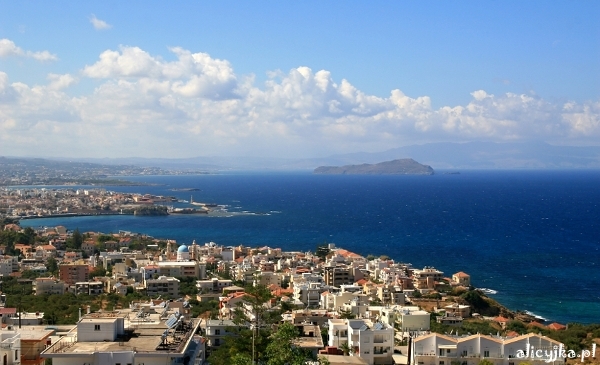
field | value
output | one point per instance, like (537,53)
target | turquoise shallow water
(533,236)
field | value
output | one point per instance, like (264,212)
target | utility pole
(20,308)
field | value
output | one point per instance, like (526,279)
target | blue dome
(183,248)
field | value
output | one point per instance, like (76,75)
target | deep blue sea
(534,236)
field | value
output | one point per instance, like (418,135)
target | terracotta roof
(512,334)
(501,319)
(536,324)
(557,326)
(529,335)
(348,254)
(461,274)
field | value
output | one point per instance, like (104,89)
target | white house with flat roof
(110,339)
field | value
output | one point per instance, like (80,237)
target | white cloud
(197,105)
(191,75)
(59,82)
(99,24)
(8,48)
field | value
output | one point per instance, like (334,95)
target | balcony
(429,354)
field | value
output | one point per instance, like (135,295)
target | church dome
(183,248)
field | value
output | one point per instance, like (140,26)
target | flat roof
(342,360)
(143,338)
(144,334)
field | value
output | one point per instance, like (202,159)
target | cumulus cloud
(59,82)
(197,105)
(8,48)
(99,24)
(191,75)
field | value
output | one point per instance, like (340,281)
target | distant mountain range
(404,166)
(448,156)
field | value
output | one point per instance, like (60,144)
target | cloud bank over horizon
(193,104)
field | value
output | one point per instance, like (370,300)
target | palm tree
(345,348)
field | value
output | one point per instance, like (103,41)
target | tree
(75,240)
(322,251)
(51,265)
(346,314)
(29,274)
(241,359)
(485,362)
(98,271)
(281,349)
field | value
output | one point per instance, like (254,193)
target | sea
(532,237)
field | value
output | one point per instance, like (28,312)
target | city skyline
(111,79)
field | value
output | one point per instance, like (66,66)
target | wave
(537,316)
(488,291)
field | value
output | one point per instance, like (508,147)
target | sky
(293,79)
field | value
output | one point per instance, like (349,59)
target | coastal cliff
(405,166)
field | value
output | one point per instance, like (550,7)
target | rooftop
(149,334)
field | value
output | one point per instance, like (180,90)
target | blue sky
(293,78)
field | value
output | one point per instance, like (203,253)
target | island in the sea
(405,166)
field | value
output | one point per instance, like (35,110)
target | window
(441,352)
(96,327)
(486,353)
(217,342)
(464,353)
(441,363)
(217,332)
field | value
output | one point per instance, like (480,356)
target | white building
(48,286)
(437,349)
(309,294)
(214,285)
(108,339)
(372,341)
(10,347)
(217,330)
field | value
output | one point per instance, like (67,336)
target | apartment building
(438,349)
(217,330)
(89,288)
(48,286)
(426,278)
(73,273)
(338,275)
(192,269)
(213,285)
(107,339)
(165,286)
(371,341)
